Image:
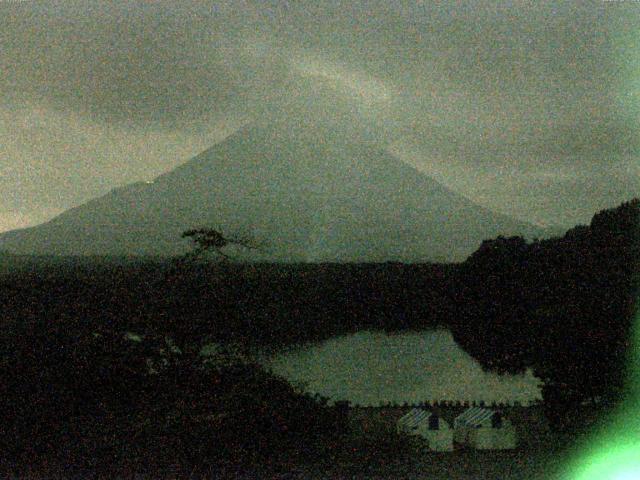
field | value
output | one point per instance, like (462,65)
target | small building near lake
(484,429)
(429,426)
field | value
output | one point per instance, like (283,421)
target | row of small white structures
(476,427)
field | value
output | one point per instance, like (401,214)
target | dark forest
(79,393)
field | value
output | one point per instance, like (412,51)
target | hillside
(308,192)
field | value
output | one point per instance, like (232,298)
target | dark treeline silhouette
(78,391)
(251,304)
(562,306)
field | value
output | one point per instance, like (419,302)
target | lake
(370,368)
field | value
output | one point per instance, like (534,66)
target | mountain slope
(310,193)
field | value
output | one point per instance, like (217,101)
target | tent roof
(474,416)
(415,417)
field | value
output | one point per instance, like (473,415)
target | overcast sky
(529,108)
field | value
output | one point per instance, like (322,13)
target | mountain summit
(308,191)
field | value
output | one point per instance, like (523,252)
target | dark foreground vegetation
(86,404)
(80,396)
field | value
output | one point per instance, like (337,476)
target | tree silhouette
(211,240)
(562,306)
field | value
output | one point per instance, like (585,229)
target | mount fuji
(309,192)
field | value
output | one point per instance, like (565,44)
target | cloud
(52,160)
(164,63)
(493,90)
(124,62)
(12,220)
(368,89)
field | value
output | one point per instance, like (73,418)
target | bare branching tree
(211,240)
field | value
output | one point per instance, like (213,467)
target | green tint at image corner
(617,458)
(614,450)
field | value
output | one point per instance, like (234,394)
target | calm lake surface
(369,368)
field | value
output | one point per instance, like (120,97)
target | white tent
(429,426)
(484,429)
